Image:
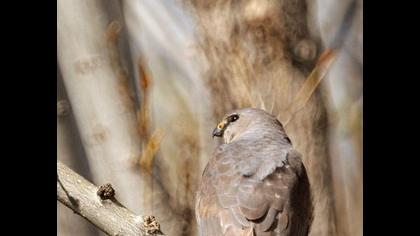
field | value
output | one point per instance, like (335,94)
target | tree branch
(108,215)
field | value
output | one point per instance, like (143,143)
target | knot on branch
(151,226)
(305,50)
(106,192)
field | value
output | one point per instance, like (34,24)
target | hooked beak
(218,131)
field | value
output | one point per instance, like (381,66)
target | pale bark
(174,96)
(345,82)
(70,152)
(103,107)
(108,215)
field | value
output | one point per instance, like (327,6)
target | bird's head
(237,123)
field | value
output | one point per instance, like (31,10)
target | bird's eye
(233,118)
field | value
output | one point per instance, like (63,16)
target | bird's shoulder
(253,157)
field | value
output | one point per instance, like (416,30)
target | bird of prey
(255,182)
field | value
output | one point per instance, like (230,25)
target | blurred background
(142,83)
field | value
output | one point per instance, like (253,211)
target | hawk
(255,182)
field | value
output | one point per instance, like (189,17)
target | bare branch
(109,215)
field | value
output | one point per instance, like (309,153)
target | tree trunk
(103,106)
(345,81)
(71,153)
(172,96)
(259,54)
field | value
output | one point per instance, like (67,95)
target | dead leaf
(149,152)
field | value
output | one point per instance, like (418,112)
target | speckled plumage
(255,182)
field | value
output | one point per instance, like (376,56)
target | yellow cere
(220,126)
